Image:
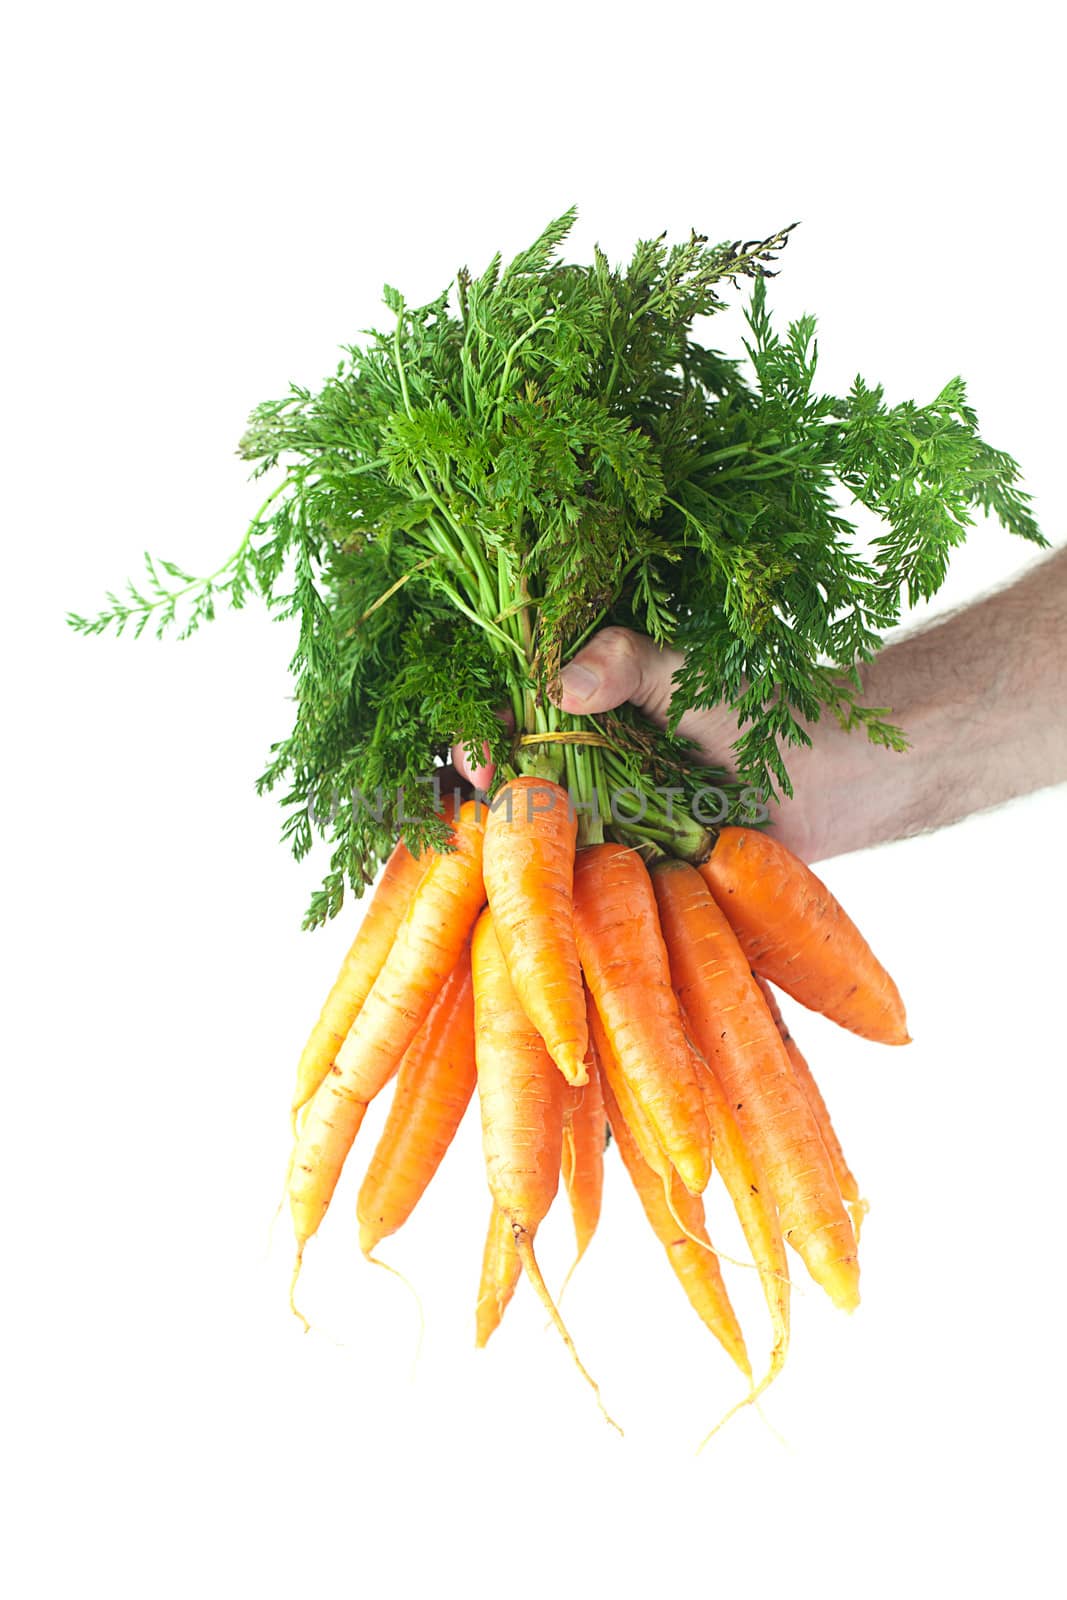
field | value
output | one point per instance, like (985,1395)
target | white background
(203,203)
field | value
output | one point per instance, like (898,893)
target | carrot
(520,1095)
(625,962)
(428,944)
(734,1031)
(529,875)
(611,1075)
(501,1269)
(358,971)
(741,1176)
(434,1086)
(641,1129)
(754,1205)
(690,1254)
(582,1164)
(795,934)
(846,1183)
(520,1092)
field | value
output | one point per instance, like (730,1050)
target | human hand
(618,665)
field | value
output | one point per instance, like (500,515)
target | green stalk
(679,831)
(510,357)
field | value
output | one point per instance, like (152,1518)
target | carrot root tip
(376,1261)
(487,1319)
(369,1240)
(524,1245)
(574,1069)
(570,1274)
(752,1398)
(857,1210)
(293,1307)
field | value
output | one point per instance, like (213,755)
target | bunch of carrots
(543,450)
(588,990)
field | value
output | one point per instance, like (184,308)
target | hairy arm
(981,695)
(982,698)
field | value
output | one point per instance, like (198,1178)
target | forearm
(982,699)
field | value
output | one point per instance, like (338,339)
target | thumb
(618,665)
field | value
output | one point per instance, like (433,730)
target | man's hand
(618,665)
(981,695)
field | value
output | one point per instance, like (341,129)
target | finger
(618,665)
(479,773)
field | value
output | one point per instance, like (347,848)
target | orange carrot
(501,1269)
(428,943)
(361,966)
(582,1165)
(434,1086)
(737,1167)
(529,875)
(635,1117)
(846,1183)
(734,1031)
(754,1205)
(521,1095)
(694,1263)
(794,933)
(641,1129)
(625,962)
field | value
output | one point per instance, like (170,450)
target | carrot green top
(546,447)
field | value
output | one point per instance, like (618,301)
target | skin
(981,696)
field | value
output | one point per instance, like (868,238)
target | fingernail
(578,682)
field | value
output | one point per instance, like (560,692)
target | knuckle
(640,671)
(623,651)
(620,642)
